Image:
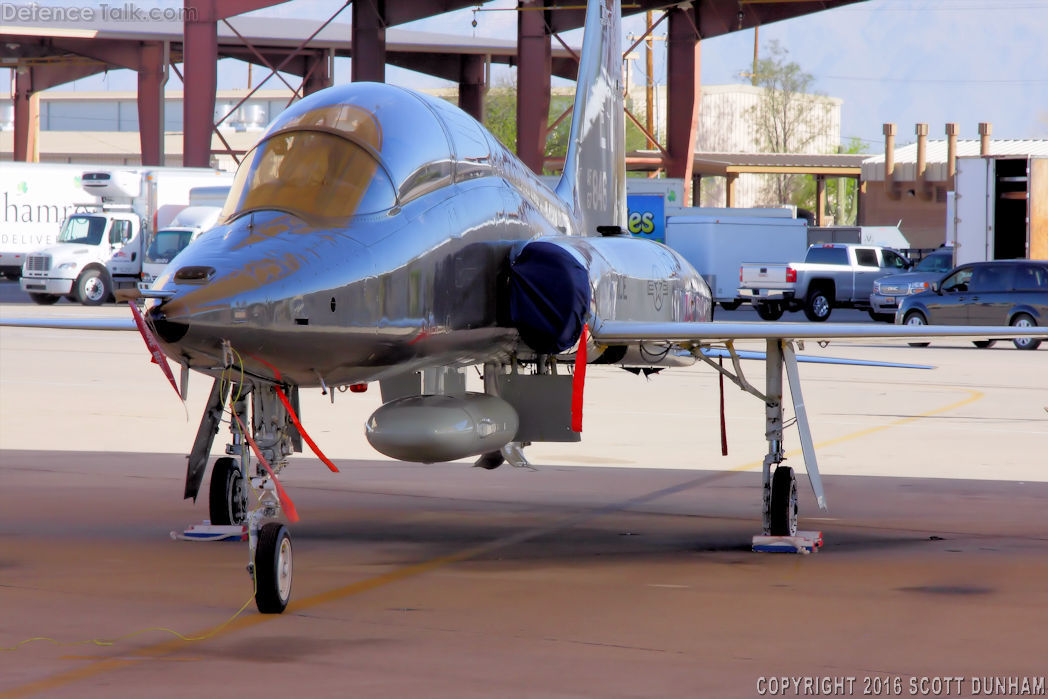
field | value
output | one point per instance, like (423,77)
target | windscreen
(320,177)
(935,263)
(167,244)
(87,230)
(827,256)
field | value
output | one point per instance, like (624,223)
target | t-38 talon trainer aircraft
(377,234)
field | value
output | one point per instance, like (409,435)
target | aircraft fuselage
(347,256)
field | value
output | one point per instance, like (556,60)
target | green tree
(788,117)
(841,195)
(500,117)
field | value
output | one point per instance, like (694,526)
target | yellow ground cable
(113,641)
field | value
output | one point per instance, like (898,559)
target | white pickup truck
(832,275)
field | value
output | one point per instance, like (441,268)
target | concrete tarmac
(617,567)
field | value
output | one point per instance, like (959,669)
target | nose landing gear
(236,498)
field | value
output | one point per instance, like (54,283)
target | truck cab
(92,251)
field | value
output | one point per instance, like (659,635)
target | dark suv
(1001,292)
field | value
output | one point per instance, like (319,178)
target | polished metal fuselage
(412,286)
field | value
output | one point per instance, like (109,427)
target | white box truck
(717,242)
(35,198)
(102,249)
(999,210)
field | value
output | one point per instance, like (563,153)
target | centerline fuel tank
(431,428)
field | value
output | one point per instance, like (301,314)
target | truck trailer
(35,198)
(102,247)
(999,209)
(717,241)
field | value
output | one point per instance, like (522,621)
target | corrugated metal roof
(935,157)
(737,163)
(936,150)
(795,160)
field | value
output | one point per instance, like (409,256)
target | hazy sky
(889,60)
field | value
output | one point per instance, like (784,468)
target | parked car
(887,291)
(1000,292)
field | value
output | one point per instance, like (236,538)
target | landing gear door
(543,405)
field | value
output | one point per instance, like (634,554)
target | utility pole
(649,67)
(753,75)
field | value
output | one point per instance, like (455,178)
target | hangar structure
(46,54)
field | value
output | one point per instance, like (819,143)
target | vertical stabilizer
(594,180)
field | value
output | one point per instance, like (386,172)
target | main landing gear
(779,502)
(242,490)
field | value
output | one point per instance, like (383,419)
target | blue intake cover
(549,297)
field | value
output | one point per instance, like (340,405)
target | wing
(620,332)
(70,323)
(700,339)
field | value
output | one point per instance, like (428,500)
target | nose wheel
(273,568)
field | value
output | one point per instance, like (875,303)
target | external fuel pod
(441,428)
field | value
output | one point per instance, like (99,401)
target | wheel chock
(212,532)
(802,542)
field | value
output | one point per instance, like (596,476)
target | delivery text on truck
(102,248)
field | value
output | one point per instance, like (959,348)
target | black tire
(984,344)
(13,276)
(817,306)
(225,496)
(44,299)
(783,502)
(490,460)
(916,318)
(1022,320)
(769,311)
(730,305)
(881,317)
(273,568)
(93,287)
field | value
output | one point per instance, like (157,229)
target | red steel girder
(369,41)
(152,77)
(533,82)
(472,83)
(682,90)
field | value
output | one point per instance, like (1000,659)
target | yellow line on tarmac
(973,396)
(160,649)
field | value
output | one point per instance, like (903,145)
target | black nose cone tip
(168,331)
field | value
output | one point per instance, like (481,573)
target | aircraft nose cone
(167,330)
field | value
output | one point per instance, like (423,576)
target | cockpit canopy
(361,148)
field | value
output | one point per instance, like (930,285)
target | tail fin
(594,179)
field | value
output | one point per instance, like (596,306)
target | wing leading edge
(70,323)
(628,332)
